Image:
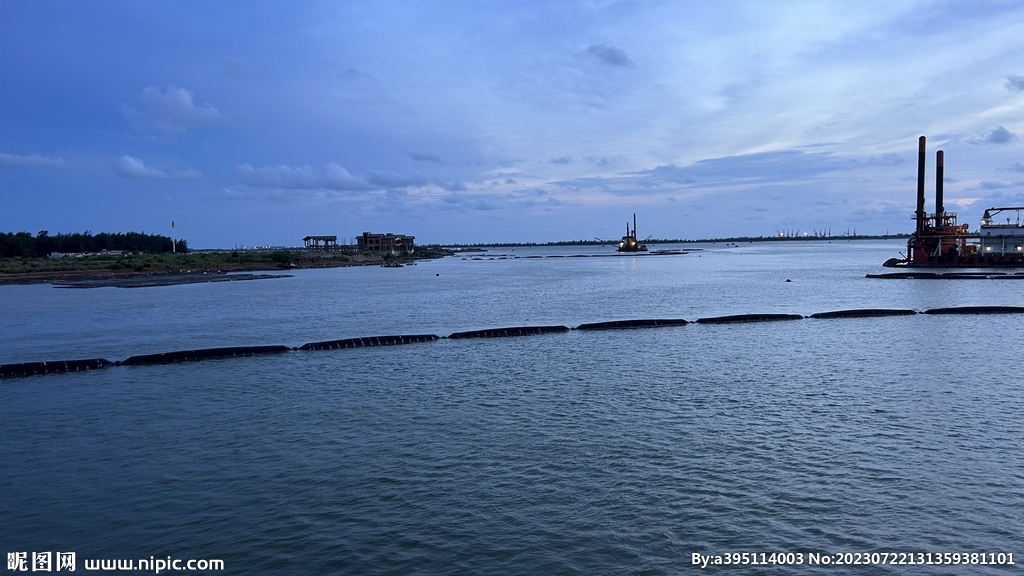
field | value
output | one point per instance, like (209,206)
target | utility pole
(173,249)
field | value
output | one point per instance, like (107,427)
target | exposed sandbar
(158,279)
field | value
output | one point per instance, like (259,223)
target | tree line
(24,244)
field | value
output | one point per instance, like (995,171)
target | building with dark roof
(385,243)
(320,243)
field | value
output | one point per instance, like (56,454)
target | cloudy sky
(513,121)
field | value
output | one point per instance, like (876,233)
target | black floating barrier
(31,368)
(969,276)
(55,367)
(616,324)
(748,318)
(991,275)
(369,341)
(203,354)
(864,313)
(977,310)
(514,331)
(904,275)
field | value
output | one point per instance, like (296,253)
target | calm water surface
(619,452)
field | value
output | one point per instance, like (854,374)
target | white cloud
(782,166)
(32,160)
(136,169)
(335,177)
(170,111)
(961,202)
(331,177)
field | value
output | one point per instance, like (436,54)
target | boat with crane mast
(939,241)
(629,243)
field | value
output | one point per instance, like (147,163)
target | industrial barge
(939,242)
(629,243)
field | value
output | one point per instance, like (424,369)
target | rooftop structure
(321,243)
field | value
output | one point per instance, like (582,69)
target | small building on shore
(385,243)
(321,243)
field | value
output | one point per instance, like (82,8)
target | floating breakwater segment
(977,310)
(62,366)
(739,318)
(54,367)
(948,276)
(514,331)
(202,354)
(368,341)
(620,324)
(863,313)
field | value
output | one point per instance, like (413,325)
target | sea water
(610,452)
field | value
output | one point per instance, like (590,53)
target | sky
(259,123)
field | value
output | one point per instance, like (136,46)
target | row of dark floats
(61,366)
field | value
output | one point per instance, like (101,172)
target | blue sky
(260,123)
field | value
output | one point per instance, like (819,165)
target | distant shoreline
(652,241)
(216,265)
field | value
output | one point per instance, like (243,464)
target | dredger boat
(629,242)
(939,242)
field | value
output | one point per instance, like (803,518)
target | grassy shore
(44,269)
